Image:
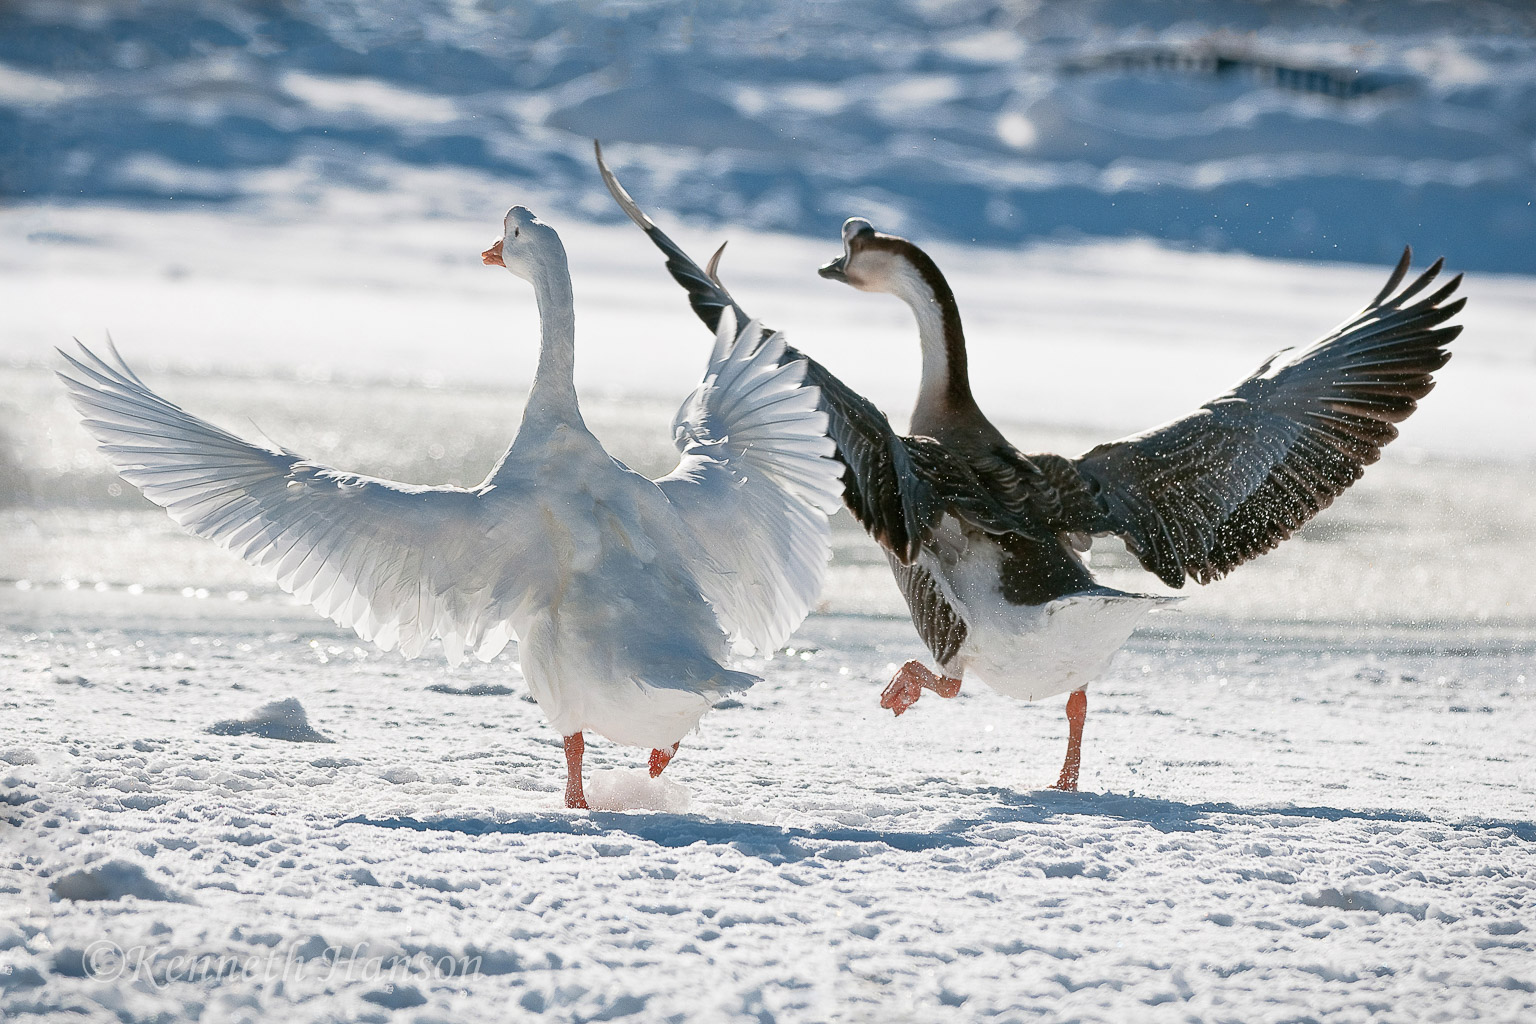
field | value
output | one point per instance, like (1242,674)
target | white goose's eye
(516,231)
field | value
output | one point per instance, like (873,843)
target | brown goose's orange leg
(1077,713)
(661,758)
(909,683)
(575,747)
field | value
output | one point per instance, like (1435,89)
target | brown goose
(983,539)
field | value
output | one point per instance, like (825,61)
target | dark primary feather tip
(1419,284)
(620,195)
(1396,277)
(713,267)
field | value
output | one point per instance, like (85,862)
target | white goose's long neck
(552,399)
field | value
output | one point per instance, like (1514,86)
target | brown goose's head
(876,262)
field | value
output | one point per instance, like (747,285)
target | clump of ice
(396,997)
(279,720)
(1360,899)
(476,690)
(20,978)
(111,881)
(18,756)
(633,789)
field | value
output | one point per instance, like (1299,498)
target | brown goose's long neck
(944,395)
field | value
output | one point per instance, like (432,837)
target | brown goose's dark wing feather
(706,295)
(896,487)
(1205,493)
(941,628)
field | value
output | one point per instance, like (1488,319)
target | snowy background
(1307,795)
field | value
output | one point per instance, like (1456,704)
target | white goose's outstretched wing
(399,564)
(755,485)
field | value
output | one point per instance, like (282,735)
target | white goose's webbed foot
(575,747)
(909,683)
(660,758)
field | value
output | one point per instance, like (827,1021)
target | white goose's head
(526,246)
(876,262)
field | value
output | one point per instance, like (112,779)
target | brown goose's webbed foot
(661,758)
(575,747)
(909,683)
(1077,713)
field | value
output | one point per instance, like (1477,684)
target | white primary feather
(755,485)
(402,564)
(398,563)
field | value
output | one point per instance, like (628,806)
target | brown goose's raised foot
(909,683)
(1077,713)
(661,758)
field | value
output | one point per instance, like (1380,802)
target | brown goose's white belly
(1028,651)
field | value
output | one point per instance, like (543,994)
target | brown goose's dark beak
(834,271)
(492,256)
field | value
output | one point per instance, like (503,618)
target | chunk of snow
(396,997)
(633,789)
(20,978)
(111,881)
(279,720)
(1359,899)
(475,690)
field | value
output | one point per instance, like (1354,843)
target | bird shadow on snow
(779,844)
(1176,816)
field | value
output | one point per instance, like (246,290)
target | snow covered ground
(1307,796)
(1302,830)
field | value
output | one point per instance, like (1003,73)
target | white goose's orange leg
(661,758)
(1077,714)
(575,747)
(908,684)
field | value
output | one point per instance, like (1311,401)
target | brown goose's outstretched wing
(896,487)
(1205,493)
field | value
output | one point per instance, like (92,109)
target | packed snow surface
(1325,827)
(1307,795)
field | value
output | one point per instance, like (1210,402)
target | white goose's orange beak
(492,256)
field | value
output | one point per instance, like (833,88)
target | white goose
(983,540)
(624,593)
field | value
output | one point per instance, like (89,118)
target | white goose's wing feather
(755,485)
(400,564)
